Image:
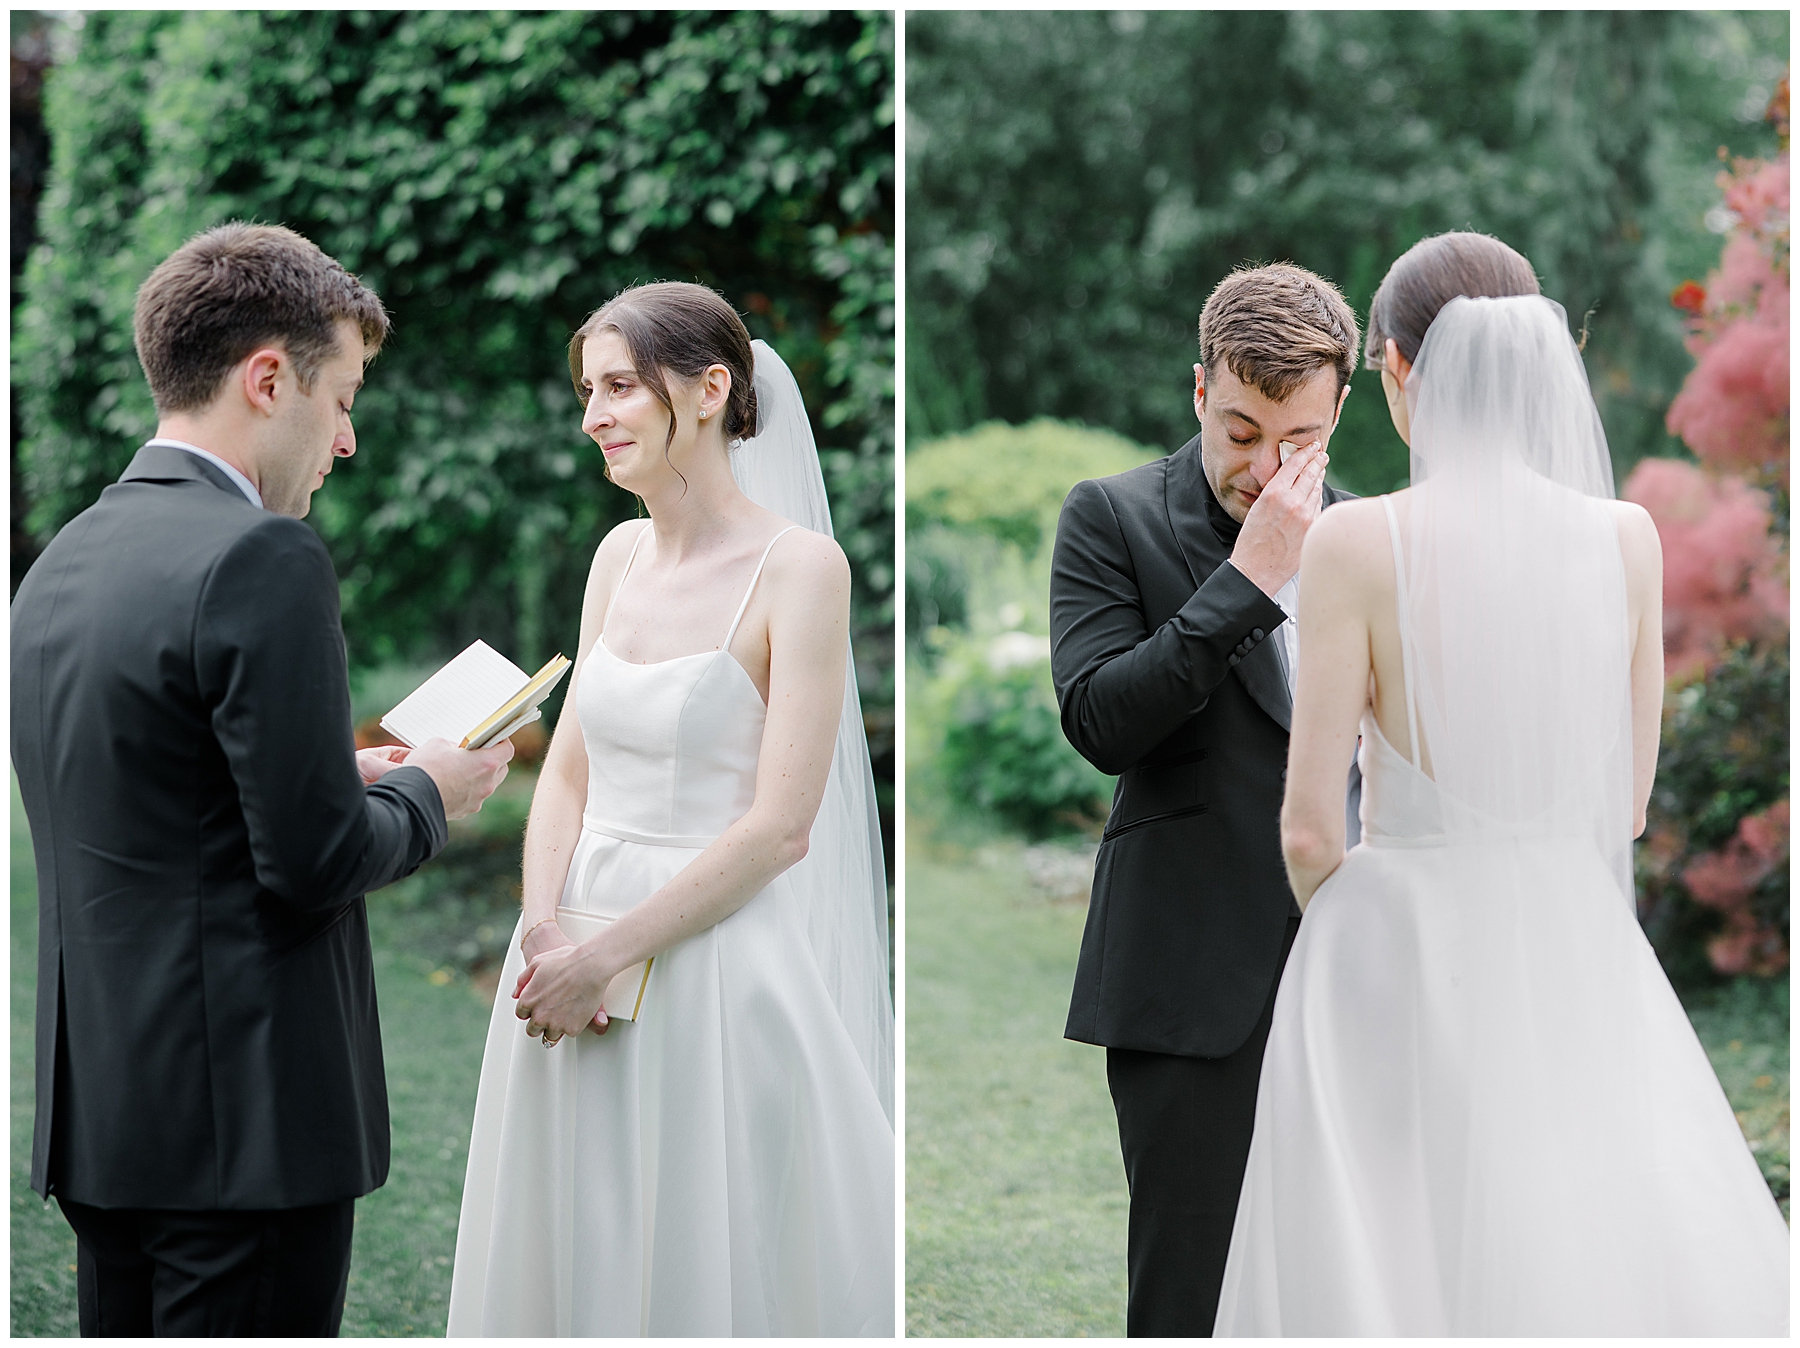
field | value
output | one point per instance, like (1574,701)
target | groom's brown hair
(1275,326)
(237,287)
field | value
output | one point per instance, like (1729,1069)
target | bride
(724,1163)
(1482,1110)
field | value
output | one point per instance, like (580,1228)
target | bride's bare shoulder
(811,564)
(1635,522)
(1348,530)
(1639,543)
(616,546)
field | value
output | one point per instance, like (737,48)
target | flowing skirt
(720,1166)
(1484,1112)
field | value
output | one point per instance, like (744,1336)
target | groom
(210,1098)
(1172,598)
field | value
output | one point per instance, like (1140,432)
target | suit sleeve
(269,648)
(1122,688)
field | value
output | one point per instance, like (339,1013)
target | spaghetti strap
(755,576)
(1406,653)
(614,598)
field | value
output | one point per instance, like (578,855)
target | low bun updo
(680,328)
(1429,275)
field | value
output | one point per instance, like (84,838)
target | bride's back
(1621,543)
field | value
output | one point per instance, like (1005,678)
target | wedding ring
(552,1043)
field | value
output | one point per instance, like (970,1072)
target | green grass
(1016,1201)
(435,936)
(1744,1027)
(1015,1195)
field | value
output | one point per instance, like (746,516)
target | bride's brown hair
(679,328)
(1429,275)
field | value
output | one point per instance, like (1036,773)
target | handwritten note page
(457,698)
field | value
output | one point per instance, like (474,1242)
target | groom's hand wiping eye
(1268,546)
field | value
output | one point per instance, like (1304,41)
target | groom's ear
(1199,391)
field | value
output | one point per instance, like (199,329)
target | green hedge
(495,176)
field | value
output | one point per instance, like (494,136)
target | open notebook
(478,699)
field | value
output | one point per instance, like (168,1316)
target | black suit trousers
(1184,1129)
(142,1273)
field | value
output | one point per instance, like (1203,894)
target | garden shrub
(1003,750)
(495,177)
(1713,867)
(1009,482)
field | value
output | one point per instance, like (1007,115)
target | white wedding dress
(724,1165)
(1482,1110)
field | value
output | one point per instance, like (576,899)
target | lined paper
(457,698)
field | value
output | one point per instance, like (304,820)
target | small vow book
(625,994)
(478,699)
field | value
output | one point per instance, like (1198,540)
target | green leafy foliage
(1077,182)
(1724,756)
(1010,481)
(495,177)
(1003,747)
(981,511)
(998,483)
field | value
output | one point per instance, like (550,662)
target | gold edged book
(625,994)
(478,699)
(521,708)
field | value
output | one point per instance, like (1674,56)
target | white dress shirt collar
(244,484)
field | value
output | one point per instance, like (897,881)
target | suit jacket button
(1232,659)
(1256,634)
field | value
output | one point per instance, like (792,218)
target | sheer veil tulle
(1521,647)
(842,879)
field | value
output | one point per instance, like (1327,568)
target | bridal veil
(1521,652)
(842,879)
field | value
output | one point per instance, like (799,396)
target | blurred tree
(1077,183)
(31,31)
(495,177)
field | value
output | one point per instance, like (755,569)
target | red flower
(1690,298)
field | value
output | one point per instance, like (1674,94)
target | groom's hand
(464,777)
(374,764)
(1268,546)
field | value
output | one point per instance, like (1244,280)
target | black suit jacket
(206,1025)
(1166,676)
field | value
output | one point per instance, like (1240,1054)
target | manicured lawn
(1744,1027)
(431,933)
(1015,1197)
(1016,1203)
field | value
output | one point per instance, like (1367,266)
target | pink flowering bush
(1733,409)
(1713,873)
(1729,881)
(1724,573)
